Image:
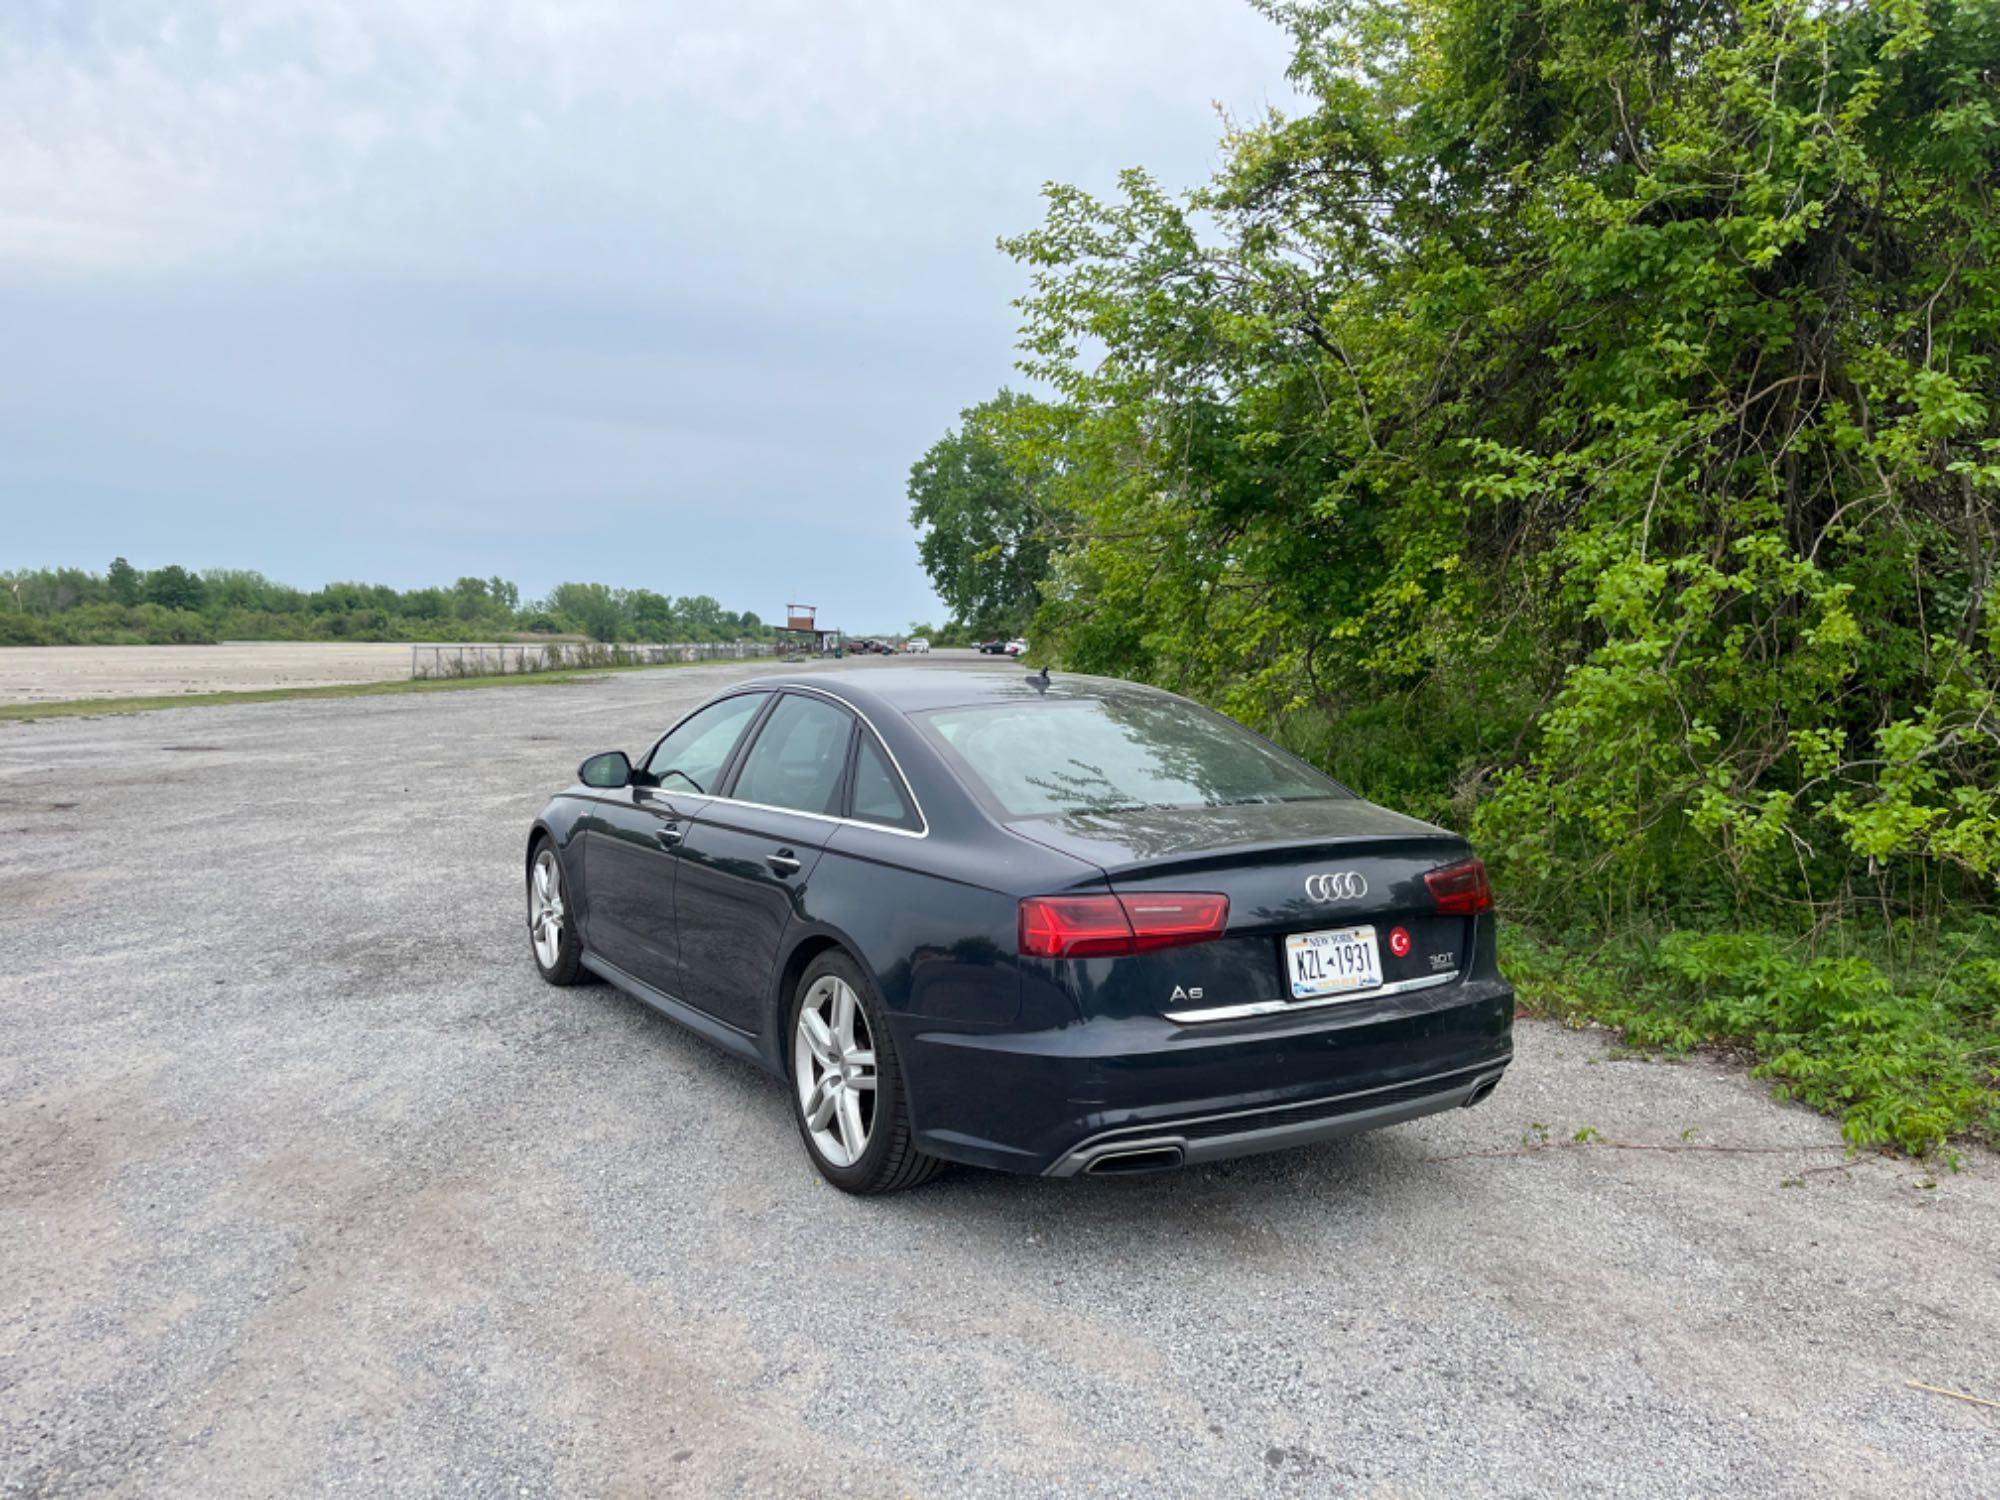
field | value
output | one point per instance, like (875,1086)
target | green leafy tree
(652,615)
(699,615)
(979,498)
(591,608)
(174,587)
(470,600)
(51,591)
(244,589)
(1580,419)
(951,633)
(425,604)
(124,581)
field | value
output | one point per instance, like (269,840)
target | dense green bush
(1606,389)
(1577,424)
(21,630)
(105,624)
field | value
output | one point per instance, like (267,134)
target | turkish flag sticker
(1399,941)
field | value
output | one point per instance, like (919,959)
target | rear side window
(691,758)
(798,757)
(1051,757)
(878,791)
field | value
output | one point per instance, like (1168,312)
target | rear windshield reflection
(1108,756)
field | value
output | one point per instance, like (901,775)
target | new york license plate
(1332,963)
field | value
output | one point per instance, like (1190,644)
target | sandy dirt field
(52,674)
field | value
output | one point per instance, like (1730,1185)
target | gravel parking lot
(309,1185)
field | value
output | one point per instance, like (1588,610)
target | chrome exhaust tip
(1480,1091)
(1131,1163)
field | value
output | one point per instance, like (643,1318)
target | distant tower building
(804,628)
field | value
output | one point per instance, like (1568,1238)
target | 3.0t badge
(1339,885)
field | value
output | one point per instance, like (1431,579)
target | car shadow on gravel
(1365,1174)
(1232,1208)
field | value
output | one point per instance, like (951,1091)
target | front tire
(552,936)
(847,1084)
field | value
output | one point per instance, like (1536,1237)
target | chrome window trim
(1320,1002)
(921,832)
(793,812)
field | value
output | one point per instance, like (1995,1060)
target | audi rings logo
(1341,885)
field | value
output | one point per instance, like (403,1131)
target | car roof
(906,690)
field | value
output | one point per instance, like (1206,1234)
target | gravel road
(309,1185)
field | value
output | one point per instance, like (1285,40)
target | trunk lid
(1288,868)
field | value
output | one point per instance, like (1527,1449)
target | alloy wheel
(833,1065)
(545,908)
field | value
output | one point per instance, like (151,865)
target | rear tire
(848,1097)
(552,936)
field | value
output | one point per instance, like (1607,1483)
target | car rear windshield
(1051,757)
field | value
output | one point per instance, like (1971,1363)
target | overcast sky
(661,294)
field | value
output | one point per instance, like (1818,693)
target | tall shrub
(1579,419)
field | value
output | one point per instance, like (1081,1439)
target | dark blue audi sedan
(1040,923)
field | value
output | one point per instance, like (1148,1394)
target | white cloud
(401,130)
(309,286)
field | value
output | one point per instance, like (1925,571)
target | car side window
(878,791)
(798,757)
(691,758)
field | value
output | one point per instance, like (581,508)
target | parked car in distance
(992,648)
(917,645)
(1039,923)
(1015,647)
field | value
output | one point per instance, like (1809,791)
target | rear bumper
(1218,1137)
(1066,1100)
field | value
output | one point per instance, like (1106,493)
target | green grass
(1895,1034)
(89,708)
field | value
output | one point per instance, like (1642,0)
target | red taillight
(1169,921)
(1093,926)
(1461,889)
(1074,926)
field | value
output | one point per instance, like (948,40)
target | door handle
(671,833)
(782,863)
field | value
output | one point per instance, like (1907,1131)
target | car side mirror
(607,772)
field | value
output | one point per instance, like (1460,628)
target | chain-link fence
(560,656)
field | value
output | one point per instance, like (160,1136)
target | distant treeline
(125,605)
(951,633)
